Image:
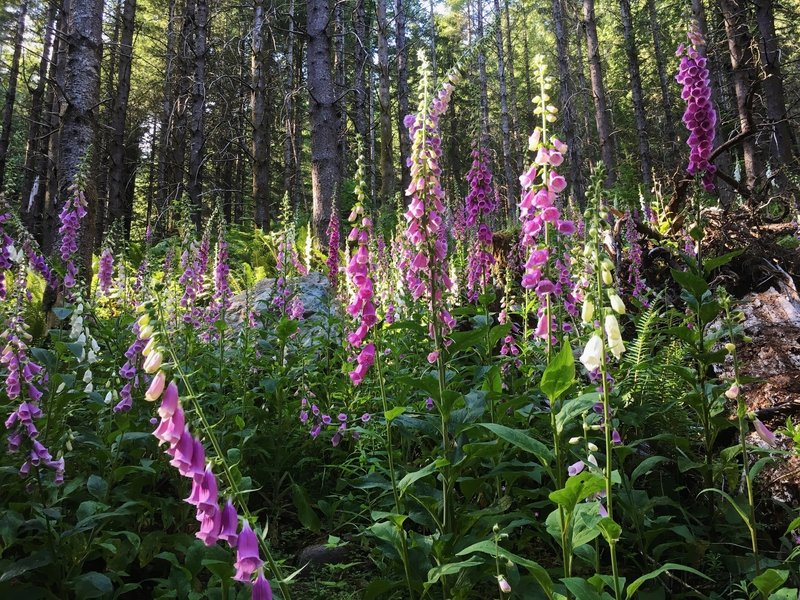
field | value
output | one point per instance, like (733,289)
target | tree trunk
(196,126)
(55,101)
(516,136)
(116,174)
(11,91)
(361,66)
(79,116)
(583,86)
(744,79)
(567,93)
(645,160)
(165,124)
(385,102)
(289,152)
(402,92)
(770,55)
(324,121)
(259,98)
(482,83)
(602,114)
(35,152)
(340,82)
(664,82)
(505,129)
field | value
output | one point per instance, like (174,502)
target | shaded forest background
(240,103)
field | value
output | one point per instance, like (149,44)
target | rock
(314,558)
(312,289)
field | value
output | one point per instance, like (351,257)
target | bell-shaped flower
(261,588)
(765,434)
(587,311)
(593,353)
(229,525)
(169,401)
(156,387)
(615,344)
(247,556)
(210,524)
(617,305)
(153,362)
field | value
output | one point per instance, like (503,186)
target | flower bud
(730,347)
(592,447)
(153,362)
(607,279)
(505,587)
(587,311)
(156,387)
(617,304)
(143,321)
(733,392)
(146,332)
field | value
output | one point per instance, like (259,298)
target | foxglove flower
(105,271)
(427,273)
(248,559)
(361,306)
(593,353)
(333,250)
(261,588)
(700,117)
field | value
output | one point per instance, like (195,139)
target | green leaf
(308,517)
(97,486)
(428,469)
(610,529)
(92,585)
(436,573)
(732,502)
(693,284)
(580,588)
(521,440)
(492,381)
(29,563)
(572,408)
(538,571)
(393,413)
(559,375)
(578,488)
(62,313)
(770,580)
(711,264)
(646,466)
(635,585)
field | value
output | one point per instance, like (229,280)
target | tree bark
(79,116)
(482,83)
(259,97)
(324,120)
(11,90)
(770,56)
(402,92)
(645,160)
(38,131)
(116,175)
(289,152)
(505,129)
(166,122)
(528,86)
(56,103)
(734,13)
(196,125)
(602,114)
(567,92)
(664,82)
(516,135)
(340,82)
(361,66)
(385,102)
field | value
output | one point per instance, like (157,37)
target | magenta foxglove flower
(261,588)
(248,559)
(700,117)
(229,525)
(105,271)
(427,273)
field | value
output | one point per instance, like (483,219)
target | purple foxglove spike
(209,494)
